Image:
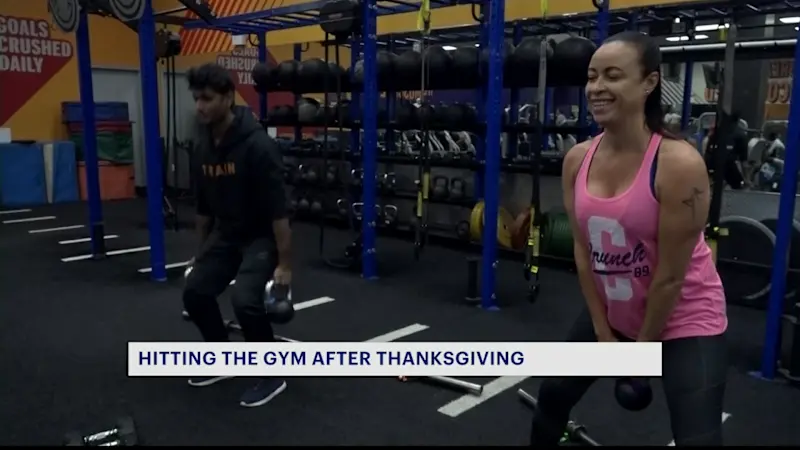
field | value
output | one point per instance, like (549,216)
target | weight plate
(65,13)
(127,10)
(748,241)
(794,257)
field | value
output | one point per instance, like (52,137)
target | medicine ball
(282,114)
(438,65)
(426,115)
(286,73)
(307,110)
(262,77)
(337,78)
(523,65)
(385,62)
(342,111)
(358,72)
(312,73)
(508,51)
(570,63)
(466,62)
(408,70)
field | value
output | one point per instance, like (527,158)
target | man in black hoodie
(241,220)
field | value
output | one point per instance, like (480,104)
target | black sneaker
(265,390)
(206,381)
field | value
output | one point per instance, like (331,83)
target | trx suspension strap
(424,168)
(532,249)
(721,144)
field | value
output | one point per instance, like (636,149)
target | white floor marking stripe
(313,302)
(111,253)
(168,266)
(88,239)
(49,230)
(15,211)
(29,219)
(399,333)
(725,416)
(468,401)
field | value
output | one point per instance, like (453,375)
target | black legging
(251,264)
(694,373)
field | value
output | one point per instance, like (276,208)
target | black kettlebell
(457,187)
(389,214)
(440,187)
(310,175)
(633,394)
(462,230)
(278,302)
(332,175)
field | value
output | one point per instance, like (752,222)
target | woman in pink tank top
(638,201)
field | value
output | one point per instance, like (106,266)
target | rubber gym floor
(65,326)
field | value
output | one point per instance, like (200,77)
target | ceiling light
(790,20)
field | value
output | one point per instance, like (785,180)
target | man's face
(211,106)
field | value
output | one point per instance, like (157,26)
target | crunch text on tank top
(622,233)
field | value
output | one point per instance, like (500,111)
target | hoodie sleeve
(268,164)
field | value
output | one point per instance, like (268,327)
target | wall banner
(29,57)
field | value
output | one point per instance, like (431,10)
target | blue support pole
(370,144)
(494,108)
(783,235)
(480,105)
(96,228)
(262,58)
(513,109)
(152,142)
(686,110)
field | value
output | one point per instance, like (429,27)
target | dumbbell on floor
(122,435)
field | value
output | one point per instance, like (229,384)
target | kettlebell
(440,187)
(278,303)
(389,215)
(457,187)
(633,394)
(356,175)
(332,175)
(388,181)
(316,207)
(310,175)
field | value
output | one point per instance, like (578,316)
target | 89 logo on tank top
(616,261)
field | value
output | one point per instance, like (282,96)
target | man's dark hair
(210,76)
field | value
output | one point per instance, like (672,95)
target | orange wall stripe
(190,36)
(217,38)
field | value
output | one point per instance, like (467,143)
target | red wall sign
(29,58)
(240,63)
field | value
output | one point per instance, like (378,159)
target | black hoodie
(240,182)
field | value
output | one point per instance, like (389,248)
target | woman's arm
(597,309)
(683,193)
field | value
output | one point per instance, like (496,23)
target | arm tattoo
(692,200)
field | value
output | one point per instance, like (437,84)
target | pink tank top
(623,236)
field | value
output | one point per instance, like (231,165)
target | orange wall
(54,79)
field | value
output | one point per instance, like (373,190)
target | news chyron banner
(413,359)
